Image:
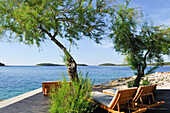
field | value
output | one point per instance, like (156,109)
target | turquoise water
(16,80)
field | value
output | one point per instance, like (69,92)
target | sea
(16,80)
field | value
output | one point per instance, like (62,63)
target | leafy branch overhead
(33,20)
(140,41)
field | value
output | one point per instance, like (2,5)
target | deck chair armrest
(141,110)
(152,105)
(108,93)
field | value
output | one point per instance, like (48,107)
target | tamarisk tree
(33,21)
(140,42)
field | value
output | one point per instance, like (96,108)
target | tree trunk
(72,68)
(71,63)
(138,78)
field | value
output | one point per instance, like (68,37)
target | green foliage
(107,64)
(140,41)
(145,82)
(110,64)
(166,63)
(48,64)
(34,21)
(130,84)
(72,98)
(162,79)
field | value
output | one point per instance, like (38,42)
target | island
(110,64)
(151,64)
(1,64)
(48,64)
(51,64)
(166,64)
(82,64)
(107,64)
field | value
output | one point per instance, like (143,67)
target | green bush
(72,98)
(130,83)
(145,82)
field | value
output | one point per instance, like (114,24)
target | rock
(158,73)
(98,86)
(113,82)
(123,79)
(160,78)
(105,82)
(151,79)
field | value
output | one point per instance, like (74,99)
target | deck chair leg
(141,100)
(45,91)
(153,97)
(118,107)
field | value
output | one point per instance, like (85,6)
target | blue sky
(88,51)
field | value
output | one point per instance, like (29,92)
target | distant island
(48,64)
(82,64)
(152,64)
(51,64)
(110,64)
(1,64)
(104,64)
(164,64)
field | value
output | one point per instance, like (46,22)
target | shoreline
(34,101)
(162,79)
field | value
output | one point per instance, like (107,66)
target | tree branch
(45,31)
(65,19)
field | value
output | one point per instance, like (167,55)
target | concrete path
(37,103)
(31,102)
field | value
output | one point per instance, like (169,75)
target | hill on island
(164,64)
(152,64)
(48,64)
(110,64)
(1,64)
(107,64)
(51,64)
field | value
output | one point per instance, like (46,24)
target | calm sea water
(16,80)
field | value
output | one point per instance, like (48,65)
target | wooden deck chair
(120,100)
(46,86)
(145,97)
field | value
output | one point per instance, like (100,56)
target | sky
(87,51)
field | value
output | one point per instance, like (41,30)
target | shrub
(72,98)
(130,83)
(145,82)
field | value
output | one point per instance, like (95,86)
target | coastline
(35,102)
(162,79)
